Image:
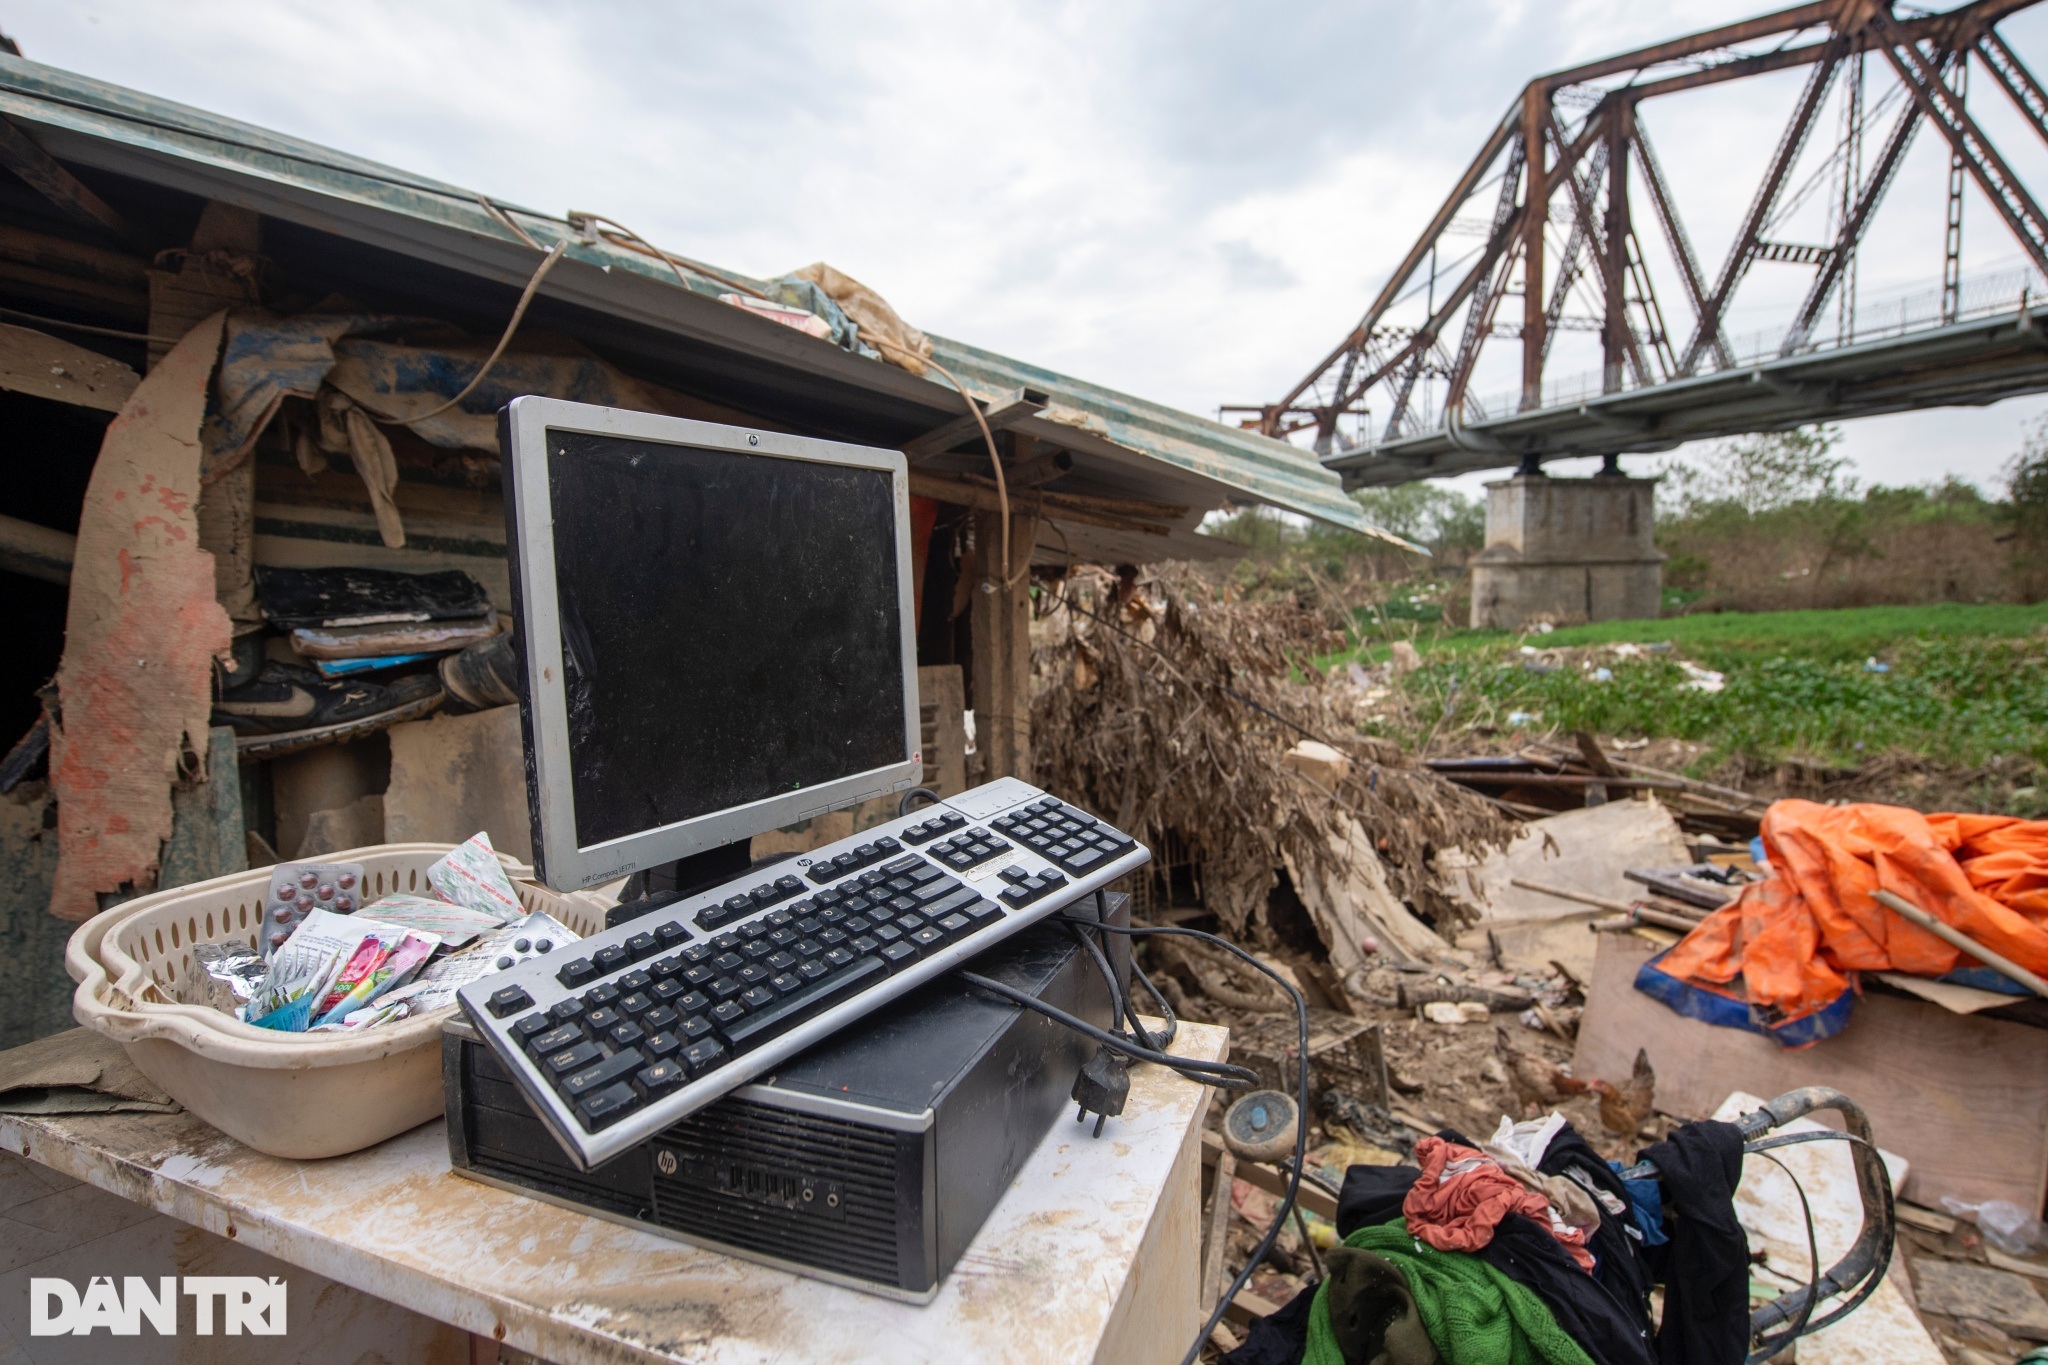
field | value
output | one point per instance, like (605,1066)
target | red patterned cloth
(1464,1193)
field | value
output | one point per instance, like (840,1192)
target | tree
(1760,473)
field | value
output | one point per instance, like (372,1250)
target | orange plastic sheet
(1790,943)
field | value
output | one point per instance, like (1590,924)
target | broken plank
(39,364)
(1271,1179)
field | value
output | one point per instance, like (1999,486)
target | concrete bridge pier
(1567,551)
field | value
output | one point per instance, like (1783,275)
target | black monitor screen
(730,628)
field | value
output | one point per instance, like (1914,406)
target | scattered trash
(1871,665)
(1702,679)
(2004,1224)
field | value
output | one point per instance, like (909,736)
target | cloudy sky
(1188,201)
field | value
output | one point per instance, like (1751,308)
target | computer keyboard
(632,1029)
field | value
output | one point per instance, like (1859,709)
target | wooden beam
(36,551)
(118,269)
(999,625)
(980,494)
(1006,411)
(25,156)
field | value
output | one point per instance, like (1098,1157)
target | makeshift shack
(223,350)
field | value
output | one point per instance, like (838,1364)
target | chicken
(1538,1082)
(1625,1108)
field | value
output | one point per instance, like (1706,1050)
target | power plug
(1103,1086)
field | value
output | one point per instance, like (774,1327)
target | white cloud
(1189,202)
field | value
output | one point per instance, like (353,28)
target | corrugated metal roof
(94,123)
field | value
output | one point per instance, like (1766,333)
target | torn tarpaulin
(135,684)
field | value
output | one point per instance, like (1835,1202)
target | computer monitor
(715,629)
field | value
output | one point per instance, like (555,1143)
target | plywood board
(454,775)
(1963,1099)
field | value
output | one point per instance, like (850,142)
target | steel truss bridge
(1556,201)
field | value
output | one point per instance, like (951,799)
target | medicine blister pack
(297,889)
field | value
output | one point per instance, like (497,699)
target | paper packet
(390,966)
(471,875)
(304,967)
(455,925)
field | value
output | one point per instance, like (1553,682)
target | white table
(1092,1255)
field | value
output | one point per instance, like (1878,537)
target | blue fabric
(1984,979)
(1646,1206)
(1725,1011)
(1756,852)
(341,668)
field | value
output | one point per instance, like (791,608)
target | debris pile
(1172,710)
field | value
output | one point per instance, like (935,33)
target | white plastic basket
(297,1095)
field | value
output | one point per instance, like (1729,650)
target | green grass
(1844,635)
(1962,683)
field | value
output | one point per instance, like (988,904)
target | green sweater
(1474,1314)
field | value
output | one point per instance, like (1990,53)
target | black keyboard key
(718,916)
(898,954)
(785,982)
(1085,859)
(662,1046)
(779,961)
(755,929)
(789,886)
(838,958)
(724,988)
(696,1002)
(791,1010)
(703,1055)
(576,973)
(626,1034)
(555,1039)
(1013,874)
(885,933)
(597,1076)
(886,845)
(657,1080)
(570,1060)
(753,974)
(508,1000)
(775,919)
(635,1005)
(607,1106)
(642,946)
(703,974)
(667,992)
(757,998)
(664,967)
(983,913)
(610,959)
(659,1018)
(927,938)
(903,864)
(598,996)
(909,924)
(597,1021)
(698,953)
(731,1012)
(671,935)
(812,970)
(839,914)
(728,962)
(757,950)
(865,945)
(563,1011)
(635,980)
(1020,894)
(695,1029)
(954,925)
(832,938)
(524,1030)
(809,947)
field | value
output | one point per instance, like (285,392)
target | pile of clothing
(1527,1249)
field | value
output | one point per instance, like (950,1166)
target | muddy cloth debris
(1474,1314)
(1781,959)
(1705,1266)
(1463,1194)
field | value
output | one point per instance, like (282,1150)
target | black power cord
(1220,1074)
(903,804)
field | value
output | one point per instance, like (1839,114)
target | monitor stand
(667,883)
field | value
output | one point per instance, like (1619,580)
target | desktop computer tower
(870,1160)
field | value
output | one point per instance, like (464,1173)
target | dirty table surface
(1080,1258)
